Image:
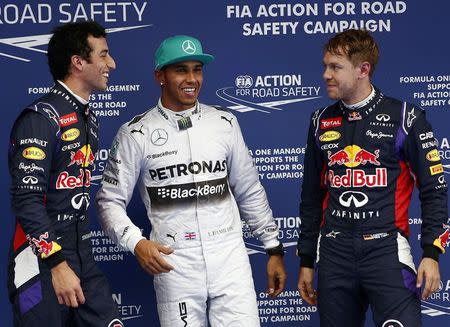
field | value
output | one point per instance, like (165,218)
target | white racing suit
(192,174)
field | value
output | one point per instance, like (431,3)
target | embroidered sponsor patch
(69,119)
(33,153)
(330,122)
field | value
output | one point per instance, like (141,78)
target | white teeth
(189,89)
(106,74)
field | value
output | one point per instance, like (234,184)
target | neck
(179,109)
(77,87)
(360,94)
(176,107)
(361,103)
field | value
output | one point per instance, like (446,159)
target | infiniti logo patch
(30,180)
(392,323)
(383,117)
(358,199)
(81,199)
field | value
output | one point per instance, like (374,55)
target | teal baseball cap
(180,48)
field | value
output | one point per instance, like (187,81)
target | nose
(111,63)
(190,77)
(326,74)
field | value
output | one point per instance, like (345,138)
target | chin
(190,102)
(102,88)
(333,96)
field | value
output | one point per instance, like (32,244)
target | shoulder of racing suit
(411,115)
(221,113)
(324,113)
(220,108)
(136,119)
(47,110)
(139,124)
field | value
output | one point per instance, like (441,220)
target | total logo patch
(330,136)
(330,123)
(33,153)
(70,134)
(69,119)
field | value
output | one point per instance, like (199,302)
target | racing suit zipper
(85,169)
(353,125)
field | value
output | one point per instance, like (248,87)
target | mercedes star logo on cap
(188,46)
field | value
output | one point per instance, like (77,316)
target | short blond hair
(357,45)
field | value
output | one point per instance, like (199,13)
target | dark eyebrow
(181,65)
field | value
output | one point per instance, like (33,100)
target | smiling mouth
(189,91)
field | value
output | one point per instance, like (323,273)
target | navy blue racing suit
(360,171)
(51,156)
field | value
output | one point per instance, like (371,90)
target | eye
(335,67)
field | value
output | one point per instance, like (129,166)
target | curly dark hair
(68,40)
(357,45)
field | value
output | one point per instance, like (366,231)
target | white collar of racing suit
(183,119)
(362,103)
(80,99)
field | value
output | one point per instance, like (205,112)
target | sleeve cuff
(271,244)
(430,251)
(54,259)
(134,241)
(306,261)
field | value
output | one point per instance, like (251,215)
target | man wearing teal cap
(180,48)
(196,179)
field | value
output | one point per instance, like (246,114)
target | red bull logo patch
(83,157)
(353,156)
(66,181)
(358,178)
(441,241)
(330,123)
(354,115)
(45,248)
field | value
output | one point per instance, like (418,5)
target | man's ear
(364,69)
(159,76)
(77,62)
